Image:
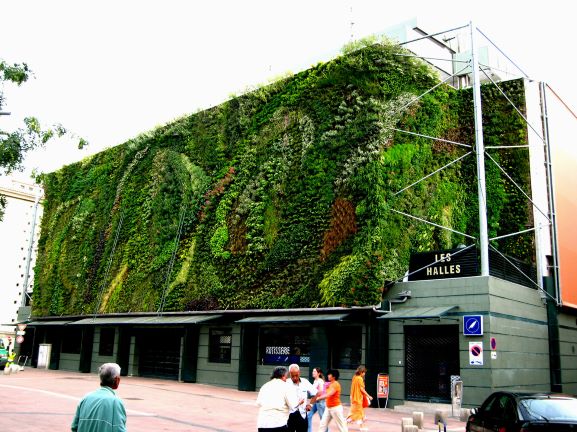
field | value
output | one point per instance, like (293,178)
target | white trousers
(336,414)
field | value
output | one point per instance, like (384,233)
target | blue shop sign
(473,325)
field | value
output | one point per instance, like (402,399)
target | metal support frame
(29,252)
(172,259)
(433,173)
(518,187)
(429,36)
(432,223)
(480,151)
(404,107)
(108,266)
(551,192)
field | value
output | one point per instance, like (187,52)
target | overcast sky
(110,70)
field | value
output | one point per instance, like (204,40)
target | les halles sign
(443,264)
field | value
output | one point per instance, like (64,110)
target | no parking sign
(476,353)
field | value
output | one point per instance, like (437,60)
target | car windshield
(550,409)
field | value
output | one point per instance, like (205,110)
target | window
(106,346)
(220,345)
(556,408)
(71,341)
(348,347)
(285,345)
(498,406)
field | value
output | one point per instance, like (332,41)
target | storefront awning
(293,318)
(147,320)
(47,323)
(418,312)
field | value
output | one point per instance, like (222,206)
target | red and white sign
(22,326)
(476,353)
(19,339)
(383,386)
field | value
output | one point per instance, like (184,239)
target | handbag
(366,401)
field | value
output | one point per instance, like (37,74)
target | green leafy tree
(14,145)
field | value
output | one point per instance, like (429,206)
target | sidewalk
(43,400)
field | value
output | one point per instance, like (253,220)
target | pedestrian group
(285,406)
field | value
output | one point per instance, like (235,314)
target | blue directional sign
(472,325)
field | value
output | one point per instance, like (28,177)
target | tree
(15,144)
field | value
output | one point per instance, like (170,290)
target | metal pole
(551,190)
(480,149)
(30,249)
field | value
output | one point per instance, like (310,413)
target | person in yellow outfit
(359,399)
(11,358)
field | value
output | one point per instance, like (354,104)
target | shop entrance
(431,357)
(159,353)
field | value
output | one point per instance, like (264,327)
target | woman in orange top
(334,410)
(358,396)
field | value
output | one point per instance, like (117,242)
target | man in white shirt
(298,419)
(276,400)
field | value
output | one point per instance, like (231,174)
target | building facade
(512,328)
(19,231)
(236,349)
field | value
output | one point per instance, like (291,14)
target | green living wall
(279,198)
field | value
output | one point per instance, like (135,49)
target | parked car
(509,411)
(3,355)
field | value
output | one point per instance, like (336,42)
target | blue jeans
(320,407)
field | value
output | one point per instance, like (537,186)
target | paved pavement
(36,400)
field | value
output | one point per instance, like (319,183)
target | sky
(111,70)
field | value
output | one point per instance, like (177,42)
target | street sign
(476,353)
(22,326)
(20,333)
(19,339)
(473,325)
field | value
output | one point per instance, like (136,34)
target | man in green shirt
(102,410)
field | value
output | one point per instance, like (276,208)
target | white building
(19,233)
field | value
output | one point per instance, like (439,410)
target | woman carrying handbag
(360,399)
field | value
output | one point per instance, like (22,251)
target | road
(36,400)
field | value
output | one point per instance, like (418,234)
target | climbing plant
(281,197)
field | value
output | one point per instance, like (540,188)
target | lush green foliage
(279,198)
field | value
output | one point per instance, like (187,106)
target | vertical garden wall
(279,198)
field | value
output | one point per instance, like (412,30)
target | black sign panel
(451,263)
